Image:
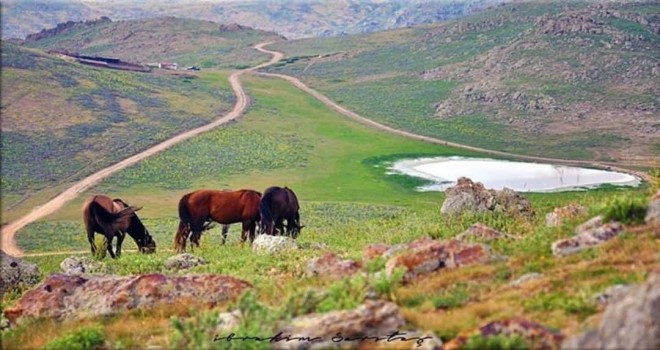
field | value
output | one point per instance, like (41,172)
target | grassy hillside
(347,203)
(293,19)
(557,78)
(62,120)
(185,41)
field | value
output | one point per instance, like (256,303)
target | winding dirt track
(9,230)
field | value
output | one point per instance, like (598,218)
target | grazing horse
(199,209)
(114,217)
(279,204)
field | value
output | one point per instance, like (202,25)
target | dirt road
(9,230)
(383,127)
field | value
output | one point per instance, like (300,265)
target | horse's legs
(251,226)
(90,238)
(109,239)
(225,229)
(120,240)
(279,226)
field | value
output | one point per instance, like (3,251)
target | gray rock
(612,294)
(468,196)
(183,262)
(372,319)
(273,244)
(633,322)
(590,235)
(15,272)
(77,265)
(526,278)
(330,265)
(595,222)
(228,321)
(559,215)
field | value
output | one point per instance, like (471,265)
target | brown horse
(114,218)
(197,211)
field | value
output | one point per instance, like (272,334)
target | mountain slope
(293,19)
(561,79)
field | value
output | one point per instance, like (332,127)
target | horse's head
(295,230)
(147,244)
(141,235)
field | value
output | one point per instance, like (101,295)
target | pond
(497,174)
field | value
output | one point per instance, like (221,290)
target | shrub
(81,339)
(626,209)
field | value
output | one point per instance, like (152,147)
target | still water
(519,176)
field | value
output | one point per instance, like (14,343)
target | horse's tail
(265,214)
(185,218)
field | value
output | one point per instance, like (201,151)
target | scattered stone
(632,322)
(531,332)
(15,272)
(595,222)
(653,212)
(560,215)
(590,235)
(273,244)
(371,319)
(482,232)
(78,265)
(427,255)
(228,322)
(330,265)
(526,278)
(66,297)
(612,294)
(468,196)
(183,262)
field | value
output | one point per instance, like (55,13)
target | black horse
(114,217)
(279,204)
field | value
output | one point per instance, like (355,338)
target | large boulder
(273,244)
(77,265)
(468,196)
(354,327)
(531,332)
(63,296)
(426,255)
(590,234)
(631,322)
(15,272)
(330,265)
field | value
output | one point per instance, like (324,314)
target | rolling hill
(557,78)
(62,120)
(293,19)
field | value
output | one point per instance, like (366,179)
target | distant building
(169,65)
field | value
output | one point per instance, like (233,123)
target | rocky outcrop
(560,215)
(372,319)
(183,262)
(612,294)
(77,265)
(632,322)
(530,332)
(481,232)
(589,234)
(427,255)
(15,272)
(330,265)
(75,297)
(65,27)
(273,244)
(468,196)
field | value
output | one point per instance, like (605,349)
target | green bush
(626,209)
(495,342)
(81,339)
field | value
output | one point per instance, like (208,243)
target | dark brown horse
(199,209)
(279,204)
(115,218)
